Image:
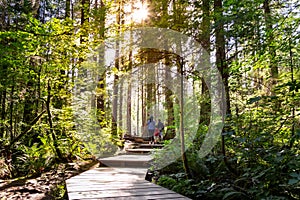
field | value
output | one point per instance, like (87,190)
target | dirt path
(50,185)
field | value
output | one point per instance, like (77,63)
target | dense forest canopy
(62,97)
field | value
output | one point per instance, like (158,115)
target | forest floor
(49,185)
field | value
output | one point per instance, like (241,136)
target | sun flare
(140,12)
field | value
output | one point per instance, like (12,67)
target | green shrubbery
(254,169)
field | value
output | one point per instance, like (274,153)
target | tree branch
(33,122)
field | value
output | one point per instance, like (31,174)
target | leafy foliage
(33,80)
(42,51)
(261,133)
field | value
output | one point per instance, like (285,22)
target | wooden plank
(147,198)
(116,190)
(118,175)
(97,195)
(104,187)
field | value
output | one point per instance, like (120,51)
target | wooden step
(137,139)
(139,151)
(133,161)
(151,146)
(133,145)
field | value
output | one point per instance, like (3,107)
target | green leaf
(232,195)
(293,181)
(253,100)
(295,175)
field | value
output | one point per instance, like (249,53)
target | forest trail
(119,177)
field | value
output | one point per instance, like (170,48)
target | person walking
(161,127)
(151,129)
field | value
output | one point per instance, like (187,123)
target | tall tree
(116,89)
(220,49)
(270,42)
(98,25)
(204,38)
(221,63)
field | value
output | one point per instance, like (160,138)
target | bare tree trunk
(11,109)
(220,50)
(116,77)
(220,53)
(222,65)
(205,42)
(143,102)
(128,113)
(114,124)
(121,87)
(3,111)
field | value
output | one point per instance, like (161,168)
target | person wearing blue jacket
(151,129)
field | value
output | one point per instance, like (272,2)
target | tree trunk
(116,77)
(101,94)
(150,83)
(114,124)
(220,54)
(170,133)
(220,49)
(11,107)
(3,112)
(183,153)
(222,65)
(293,135)
(143,101)
(205,42)
(85,6)
(128,113)
(270,38)
(120,94)
(29,102)
(68,8)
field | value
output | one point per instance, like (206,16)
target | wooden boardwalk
(127,182)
